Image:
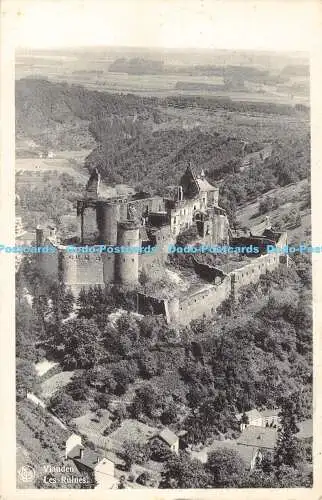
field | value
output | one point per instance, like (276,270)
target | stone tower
(107,217)
(127,264)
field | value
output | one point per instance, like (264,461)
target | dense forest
(194,378)
(134,141)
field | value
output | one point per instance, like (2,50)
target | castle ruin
(149,222)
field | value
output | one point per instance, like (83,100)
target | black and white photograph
(163,247)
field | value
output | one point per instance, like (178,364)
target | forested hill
(148,141)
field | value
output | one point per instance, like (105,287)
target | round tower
(107,217)
(127,263)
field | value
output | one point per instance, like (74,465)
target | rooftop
(247,453)
(90,458)
(168,436)
(204,185)
(270,413)
(251,414)
(259,437)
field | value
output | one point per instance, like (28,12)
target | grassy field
(51,385)
(90,423)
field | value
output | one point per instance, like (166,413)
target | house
(89,461)
(271,418)
(258,437)
(251,417)
(264,418)
(250,455)
(170,439)
(254,441)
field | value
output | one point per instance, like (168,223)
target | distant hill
(140,141)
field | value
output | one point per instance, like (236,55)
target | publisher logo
(26,473)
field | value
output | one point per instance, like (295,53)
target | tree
(78,341)
(225,466)
(64,406)
(148,364)
(145,401)
(183,472)
(288,451)
(134,452)
(159,451)
(170,414)
(78,388)
(26,377)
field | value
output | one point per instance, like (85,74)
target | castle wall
(182,215)
(155,204)
(148,305)
(169,308)
(250,273)
(208,272)
(48,262)
(81,270)
(89,225)
(203,302)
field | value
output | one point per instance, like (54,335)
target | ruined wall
(204,301)
(90,231)
(182,215)
(250,273)
(47,262)
(148,305)
(155,204)
(208,272)
(220,228)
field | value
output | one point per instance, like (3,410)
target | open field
(90,68)
(51,385)
(162,86)
(90,423)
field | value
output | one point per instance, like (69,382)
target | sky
(279,25)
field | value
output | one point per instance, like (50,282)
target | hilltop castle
(139,220)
